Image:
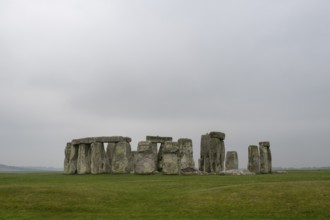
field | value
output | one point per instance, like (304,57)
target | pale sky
(255,70)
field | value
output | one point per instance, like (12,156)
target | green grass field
(295,195)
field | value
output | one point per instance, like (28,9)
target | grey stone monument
(212,152)
(265,157)
(99,159)
(171,160)
(231,160)
(186,153)
(253,159)
(84,159)
(145,161)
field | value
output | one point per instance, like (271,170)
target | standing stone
(154,152)
(73,159)
(110,152)
(186,153)
(222,155)
(133,160)
(214,155)
(121,158)
(254,159)
(204,165)
(231,160)
(160,158)
(84,159)
(171,160)
(99,159)
(145,161)
(265,157)
(67,158)
(212,152)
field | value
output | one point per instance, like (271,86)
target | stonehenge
(88,156)
(158,154)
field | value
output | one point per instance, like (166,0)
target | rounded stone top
(217,134)
(264,143)
(253,146)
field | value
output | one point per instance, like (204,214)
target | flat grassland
(295,195)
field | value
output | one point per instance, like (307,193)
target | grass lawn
(295,195)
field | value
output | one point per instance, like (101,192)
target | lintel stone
(158,139)
(102,139)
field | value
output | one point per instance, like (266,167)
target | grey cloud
(255,70)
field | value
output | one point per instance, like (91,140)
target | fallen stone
(236,173)
(189,171)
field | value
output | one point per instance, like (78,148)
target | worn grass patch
(296,195)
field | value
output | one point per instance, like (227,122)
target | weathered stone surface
(216,134)
(171,147)
(212,153)
(84,159)
(99,159)
(110,152)
(205,146)
(67,153)
(73,159)
(102,139)
(186,153)
(171,160)
(121,158)
(171,163)
(265,157)
(158,139)
(254,159)
(145,160)
(231,160)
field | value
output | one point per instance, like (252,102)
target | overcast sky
(255,70)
